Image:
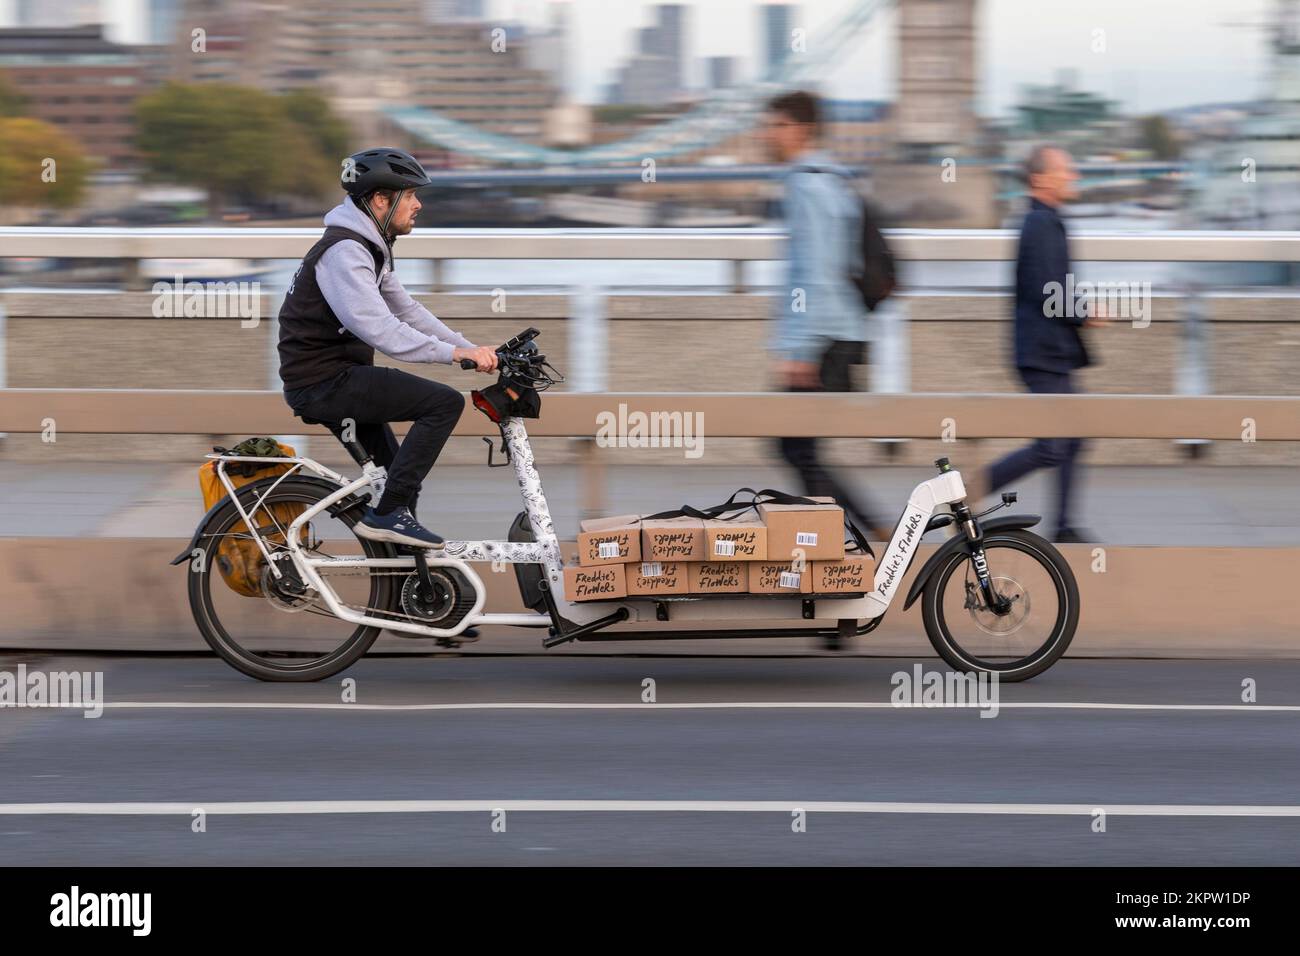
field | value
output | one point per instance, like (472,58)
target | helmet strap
(392,208)
(382,227)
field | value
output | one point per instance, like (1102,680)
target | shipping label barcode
(788,579)
(806,537)
(609,549)
(723,548)
(651,569)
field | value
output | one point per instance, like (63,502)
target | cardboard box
(672,539)
(591,584)
(818,530)
(743,538)
(778,577)
(718,577)
(653,578)
(853,572)
(615,540)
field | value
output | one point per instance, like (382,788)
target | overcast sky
(1159,53)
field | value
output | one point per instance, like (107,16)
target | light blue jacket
(817,303)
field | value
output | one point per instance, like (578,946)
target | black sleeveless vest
(314,346)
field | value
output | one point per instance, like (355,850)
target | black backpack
(876,276)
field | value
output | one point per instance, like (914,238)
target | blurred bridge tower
(934,120)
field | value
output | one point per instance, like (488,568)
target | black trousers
(371,396)
(1059,453)
(836,364)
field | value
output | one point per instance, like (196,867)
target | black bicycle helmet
(385,167)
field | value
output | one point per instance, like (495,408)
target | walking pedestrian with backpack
(838,269)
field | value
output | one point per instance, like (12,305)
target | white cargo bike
(994,596)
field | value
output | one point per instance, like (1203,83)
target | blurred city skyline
(1160,55)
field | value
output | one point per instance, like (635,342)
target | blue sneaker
(398,527)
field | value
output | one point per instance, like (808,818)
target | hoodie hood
(348,215)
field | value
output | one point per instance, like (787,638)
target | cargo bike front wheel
(1028,625)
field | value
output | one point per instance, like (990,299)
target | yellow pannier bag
(238,559)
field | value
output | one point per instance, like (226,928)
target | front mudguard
(959,541)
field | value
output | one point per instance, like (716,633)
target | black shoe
(1074,536)
(398,527)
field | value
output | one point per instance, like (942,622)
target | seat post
(355,449)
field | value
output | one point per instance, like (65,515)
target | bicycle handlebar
(519,360)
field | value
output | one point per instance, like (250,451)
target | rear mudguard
(958,542)
(327,487)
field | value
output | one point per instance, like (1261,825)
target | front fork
(970,527)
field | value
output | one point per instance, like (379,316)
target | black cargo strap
(731,509)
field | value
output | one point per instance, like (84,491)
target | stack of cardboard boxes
(770,549)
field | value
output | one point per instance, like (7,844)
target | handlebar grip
(468,364)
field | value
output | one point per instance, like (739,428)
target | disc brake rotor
(998,625)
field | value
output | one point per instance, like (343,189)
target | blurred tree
(310,111)
(241,144)
(12,103)
(40,165)
(1157,136)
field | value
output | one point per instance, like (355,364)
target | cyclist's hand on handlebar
(480,357)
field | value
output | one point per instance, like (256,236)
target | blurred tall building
(720,71)
(777,22)
(653,74)
(548,48)
(367,54)
(242,42)
(459,76)
(74,78)
(668,38)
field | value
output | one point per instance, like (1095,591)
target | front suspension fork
(970,526)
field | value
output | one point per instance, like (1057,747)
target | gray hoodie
(380,313)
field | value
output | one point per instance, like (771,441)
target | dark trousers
(372,396)
(1058,453)
(801,453)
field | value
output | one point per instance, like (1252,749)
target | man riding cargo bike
(345,302)
(297,569)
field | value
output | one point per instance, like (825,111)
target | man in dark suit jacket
(1048,344)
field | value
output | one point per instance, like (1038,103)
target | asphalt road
(879,784)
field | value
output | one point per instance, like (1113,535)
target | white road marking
(303,807)
(688,705)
